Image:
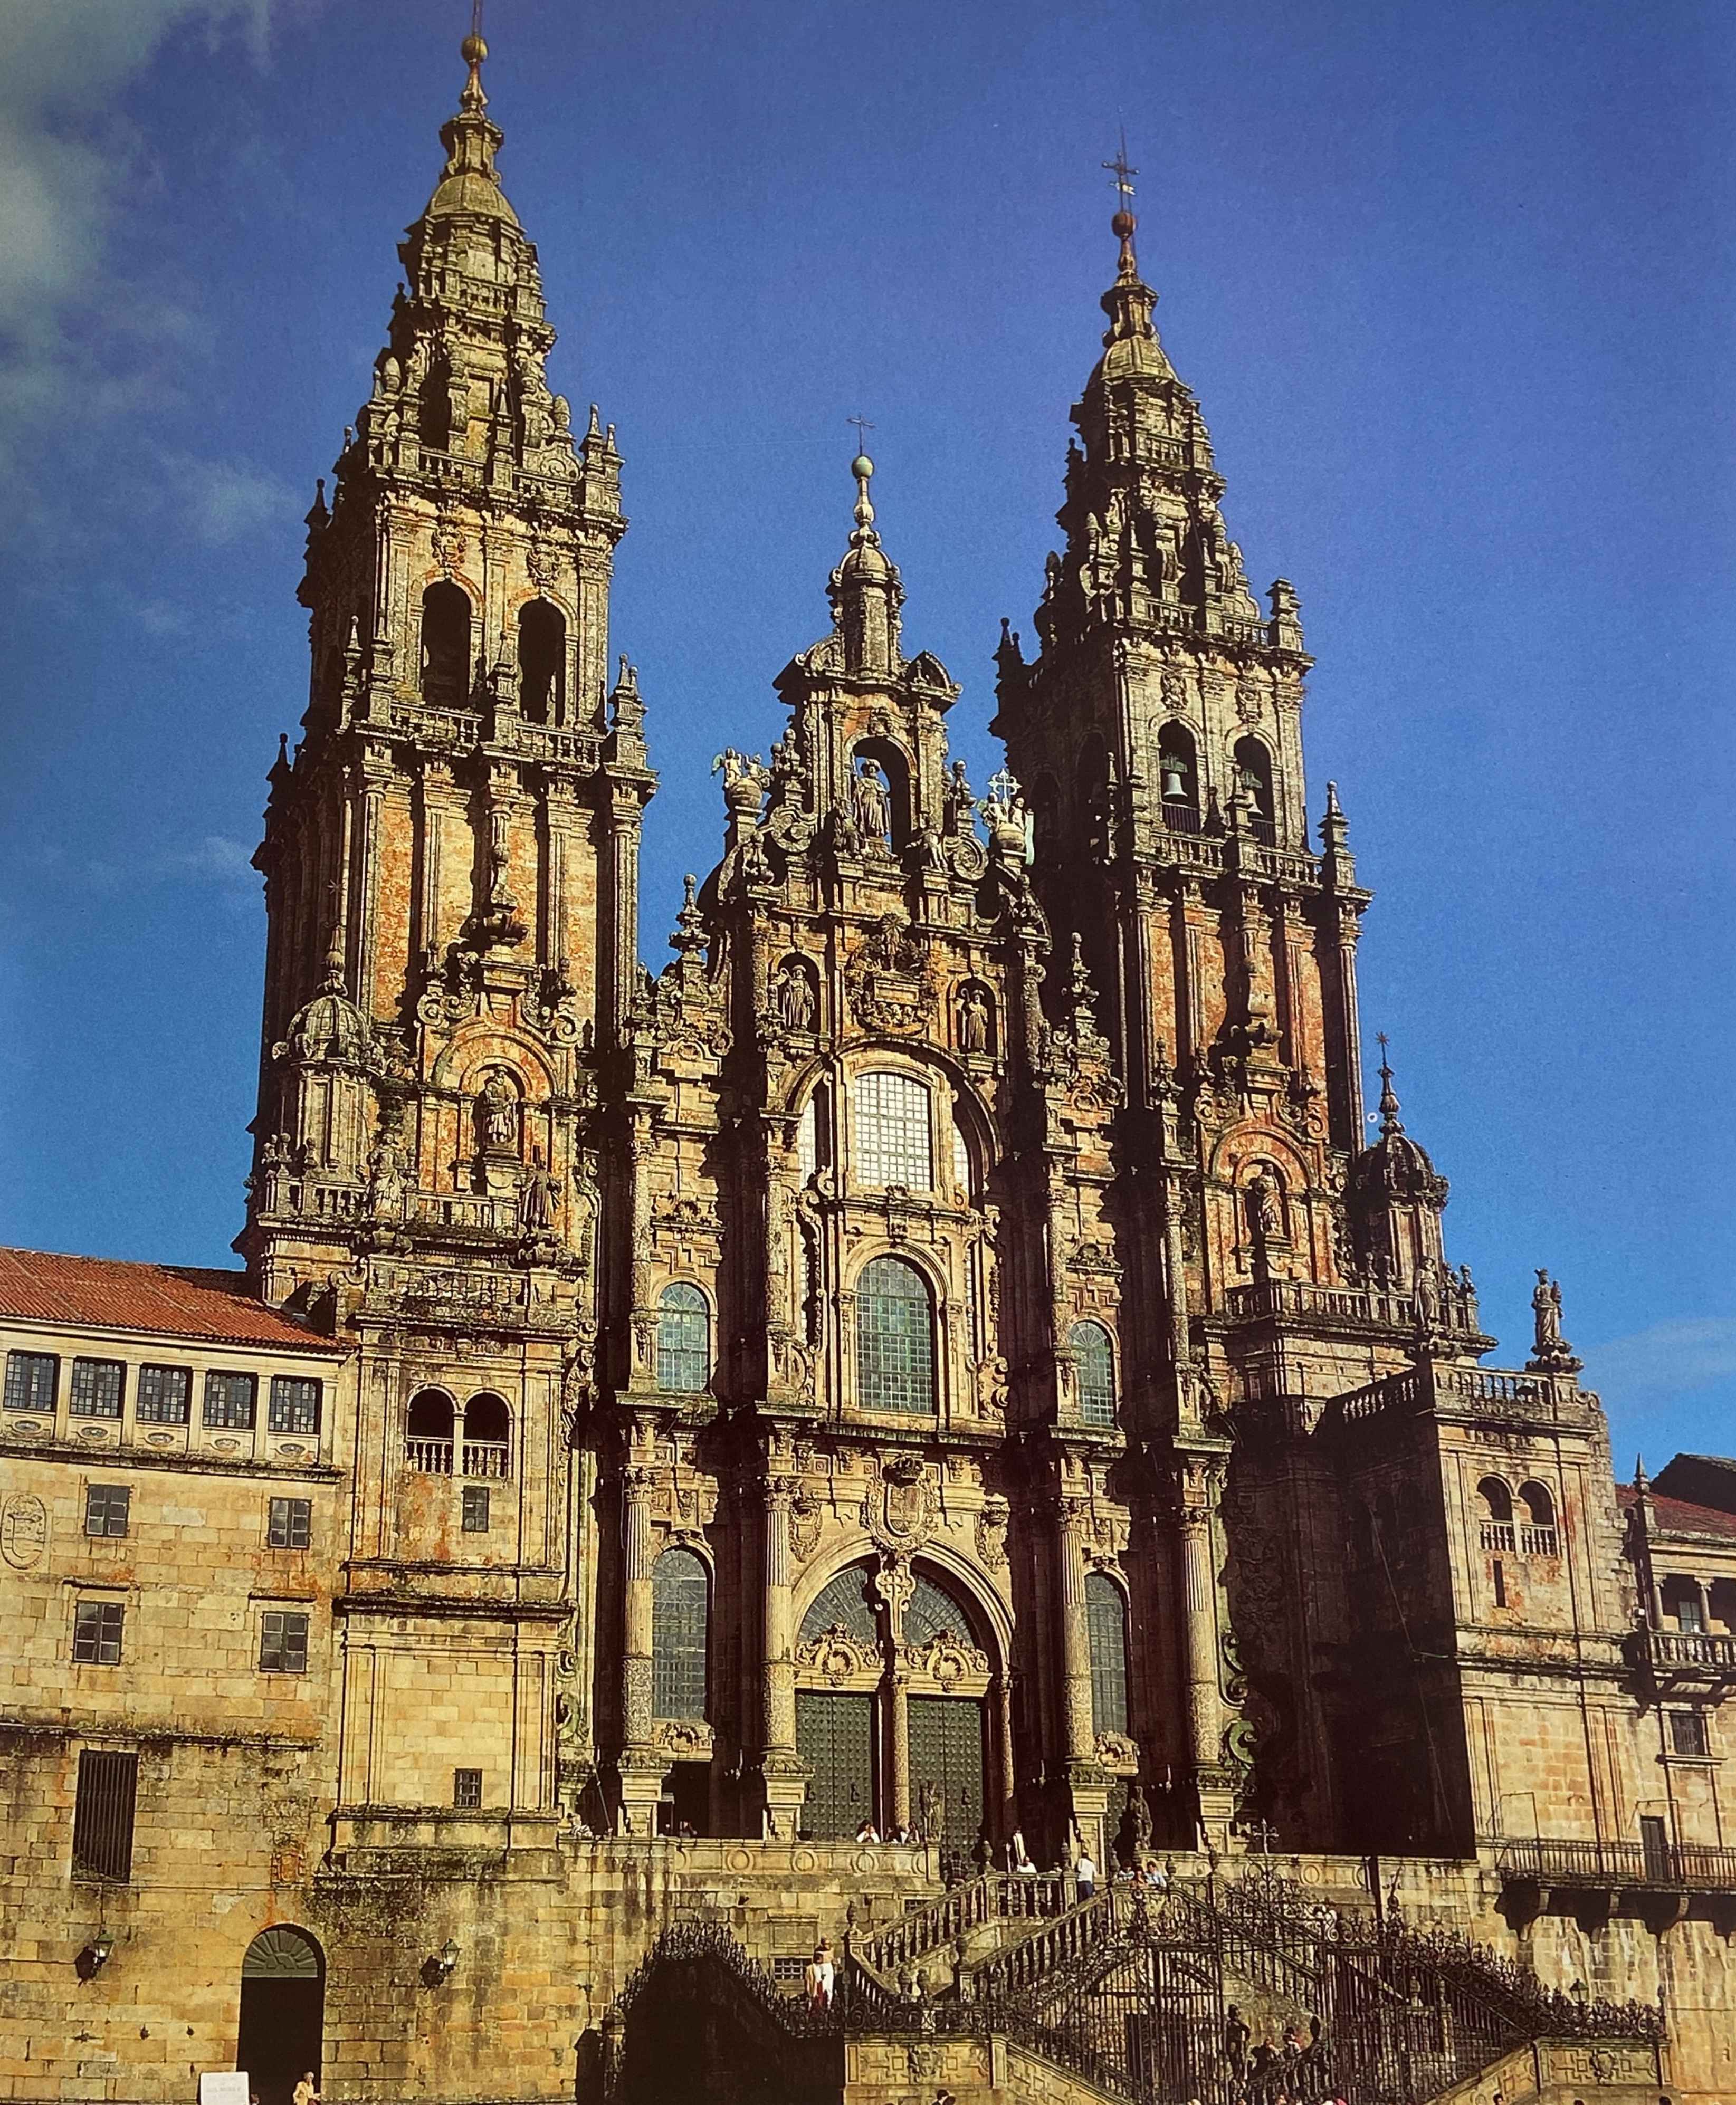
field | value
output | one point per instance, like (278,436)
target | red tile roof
(1677,1517)
(182,1300)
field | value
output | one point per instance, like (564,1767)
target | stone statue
(795,997)
(1546,1306)
(497,1113)
(973,1021)
(872,801)
(1426,1293)
(1263,1222)
(536,1208)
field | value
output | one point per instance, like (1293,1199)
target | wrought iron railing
(1659,1865)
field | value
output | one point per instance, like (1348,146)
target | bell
(1174,781)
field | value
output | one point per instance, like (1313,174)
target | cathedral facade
(939,1367)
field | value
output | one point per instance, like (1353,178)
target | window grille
(106,1508)
(229,1401)
(1688,1732)
(289,1524)
(295,1405)
(681,1619)
(96,1386)
(894,1339)
(1093,1359)
(475,1508)
(1106,1626)
(102,1814)
(683,1339)
(283,1642)
(31,1380)
(894,1141)
(467,1789)
(165,1396)
(843,1604)
(96,1632)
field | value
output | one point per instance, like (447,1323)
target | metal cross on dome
(1003,786)
(863,428)
(1123,174)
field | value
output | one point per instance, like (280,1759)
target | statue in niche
(795,997)
(497,1113)
(536,1208)
(973,1021)
(1265,1223)
(1426,1293)
(872,801)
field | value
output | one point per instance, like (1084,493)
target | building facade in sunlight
(949,1359)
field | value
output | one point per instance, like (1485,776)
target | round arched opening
(283,2013)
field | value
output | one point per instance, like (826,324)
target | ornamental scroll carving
(889,979)
(837,1655)
(948,1661)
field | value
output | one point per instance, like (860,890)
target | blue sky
(1455,287)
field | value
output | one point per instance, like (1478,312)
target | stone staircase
(1007,1990)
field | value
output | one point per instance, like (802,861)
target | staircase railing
(994,1897)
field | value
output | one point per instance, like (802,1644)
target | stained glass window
(683,1339)
(893,1142)
(1095,1371)
(842,1604)
(1106,1625)
(894,1339)
(681,1617)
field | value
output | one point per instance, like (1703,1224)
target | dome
(330,1027)
(1396,1167)
(866,561)
(471,192)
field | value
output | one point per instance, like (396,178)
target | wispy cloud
(214,859)
(223,500)
(76,336)
(1669,1359)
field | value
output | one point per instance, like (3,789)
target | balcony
(1482,1392)
(1372,1306)
(1685,1655)
(1656,1866)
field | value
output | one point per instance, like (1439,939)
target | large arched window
(894,1141)
(683,1339)
(542,662)
(488,1437)
(894,1339)
(1093,1362)
(681,1634)
(935,1610)
(445,645)
(1106,1626)
(428,1433)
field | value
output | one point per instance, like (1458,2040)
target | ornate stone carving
(889,979)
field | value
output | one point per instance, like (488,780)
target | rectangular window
(475,1509)
(1688,1732)
(283,1642)
(467,1788)
(165,1396)
(295,1405)
(229,1401)
(96,1632)
(106,1507)
(96,1386)
(290,1524)
(31,1380)
(102,1814)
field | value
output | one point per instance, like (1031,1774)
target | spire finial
(472,51)
(1390,1122)
(1123,223)
(862,468)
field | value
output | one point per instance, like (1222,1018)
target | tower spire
(1124,224)
(1390,1121)
(865,590)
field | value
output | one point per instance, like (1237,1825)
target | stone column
(1197,1481)
(1088,1786)
(621,943)
(897,1685)
(1000,1813)
(640,1766)
(783,1774)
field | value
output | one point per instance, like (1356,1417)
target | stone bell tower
(450,859)
(451,854)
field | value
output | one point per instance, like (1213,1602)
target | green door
(946,1750)
(834,1735)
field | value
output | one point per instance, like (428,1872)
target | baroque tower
(451,870)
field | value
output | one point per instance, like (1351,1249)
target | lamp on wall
(95,1957)
(439,1966)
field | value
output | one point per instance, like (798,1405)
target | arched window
(1495,1527)
(488,1437)
(681,1634)
(428,1433)
(1537,1535)
(683,1339)
(894,1339)
(1093,1360)
(935,1610)
(894,1142)
(542,662)
(842,1604)
(1178,773)
(1253,776)
(1538,1504)
(446,646)
(1105,1626)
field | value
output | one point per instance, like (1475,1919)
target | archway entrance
(283,2013)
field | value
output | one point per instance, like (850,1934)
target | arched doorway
(895,1685)
(283,2013)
